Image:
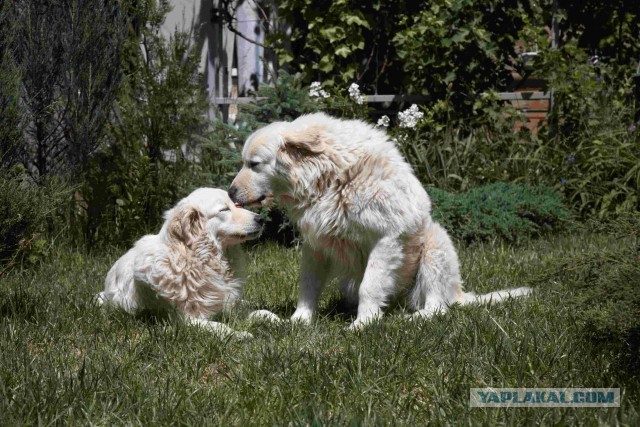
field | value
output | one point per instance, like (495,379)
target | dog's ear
(311,139)
(187,224)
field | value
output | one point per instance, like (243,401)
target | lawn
(65,361)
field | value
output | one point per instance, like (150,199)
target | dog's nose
(233,192)
(259,219)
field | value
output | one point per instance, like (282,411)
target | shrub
(285,100)
(592,159)
(11,122)
(66,54)
(457,157)
(468,49)
(25,209)
(508,211)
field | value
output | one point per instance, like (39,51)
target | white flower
(409,118)
(383,121)
(354,90)
(316,91)
(354,93)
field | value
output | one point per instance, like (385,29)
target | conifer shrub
(513,212)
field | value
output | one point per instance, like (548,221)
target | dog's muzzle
(239,199)
(233,194)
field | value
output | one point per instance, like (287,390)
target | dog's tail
(493,297)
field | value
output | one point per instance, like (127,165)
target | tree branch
(228,18)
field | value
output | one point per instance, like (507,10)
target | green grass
(65,361)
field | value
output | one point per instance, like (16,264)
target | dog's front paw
(429,311)
(100,299)
(303,316)
(358,325)
(264,316)
(354,327)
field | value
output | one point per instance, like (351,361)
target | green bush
(468,49)
(592,160)
(507,211)
(287,99)
(25,210)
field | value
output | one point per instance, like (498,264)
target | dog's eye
(253,164)
(227,209)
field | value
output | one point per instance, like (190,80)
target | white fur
(358,204)
(141,279)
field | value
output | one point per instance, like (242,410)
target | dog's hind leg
(315,272)
(438,282)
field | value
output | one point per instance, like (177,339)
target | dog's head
(208,200)
(211,211)
(232,225)
(269,155)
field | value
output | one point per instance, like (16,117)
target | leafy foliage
(593,159)
(468,48)
(606,28)
(340,42)
(460,157)
(507,211)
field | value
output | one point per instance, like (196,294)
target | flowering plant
(411,117)
(316,91)
(355,95)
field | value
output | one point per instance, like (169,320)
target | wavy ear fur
(310,139)
(187,224)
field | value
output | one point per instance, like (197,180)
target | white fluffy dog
(364,216)
(194,264)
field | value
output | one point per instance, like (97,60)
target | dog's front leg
(314,272)
(379,281)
